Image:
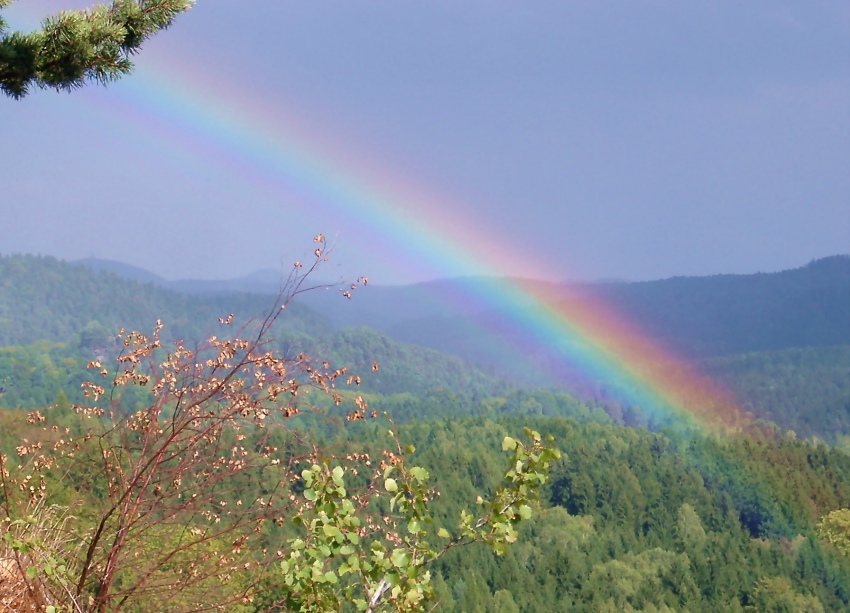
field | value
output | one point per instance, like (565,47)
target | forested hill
(697,316)
(728,314)
(779,341)
(806,390)
(55,316)
(42,298)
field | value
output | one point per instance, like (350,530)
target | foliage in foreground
(183,503)
(330,565)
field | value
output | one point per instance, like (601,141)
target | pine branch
(81,46)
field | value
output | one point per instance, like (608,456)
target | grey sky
(629,140)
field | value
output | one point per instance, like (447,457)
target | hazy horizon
(265,274)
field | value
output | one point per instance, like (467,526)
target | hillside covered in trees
(629,519)
(779,341)
(693,316)
(799,378)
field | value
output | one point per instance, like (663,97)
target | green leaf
(413,596)
(508,444)
(400,558)
(391,486)
(419,473)
(443,533)
(525,511)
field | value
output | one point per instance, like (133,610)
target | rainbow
(268,147)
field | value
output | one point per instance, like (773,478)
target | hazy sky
(552,139)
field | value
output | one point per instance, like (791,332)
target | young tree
(75,47)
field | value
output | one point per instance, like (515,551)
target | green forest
(325,438)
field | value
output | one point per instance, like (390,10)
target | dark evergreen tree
(76,47)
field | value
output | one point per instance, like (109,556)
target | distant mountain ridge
(727,314)
(125,271)
(694,316)
(697,316)
(781,340)
(44,299)
(267,281)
